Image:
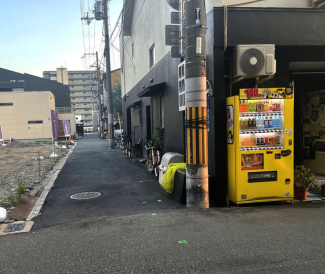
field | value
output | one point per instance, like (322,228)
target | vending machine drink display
(260,145)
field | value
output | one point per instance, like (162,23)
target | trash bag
(168,178)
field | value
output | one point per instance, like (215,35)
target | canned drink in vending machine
(258,141)
(266,140)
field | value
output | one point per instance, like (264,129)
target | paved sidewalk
(126,187)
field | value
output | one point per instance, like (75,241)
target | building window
(133,49)
(36,122)
(152,55)
(6,104)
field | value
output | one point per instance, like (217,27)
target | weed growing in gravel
(2,182)
(14,199)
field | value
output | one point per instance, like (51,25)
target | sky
(39,35)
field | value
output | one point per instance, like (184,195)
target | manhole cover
(14,227)
(85,195)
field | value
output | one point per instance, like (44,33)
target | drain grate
(85,195)
(14,227)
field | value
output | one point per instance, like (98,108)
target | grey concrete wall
(148,28)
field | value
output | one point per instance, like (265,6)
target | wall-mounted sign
(172,35)
(265,93)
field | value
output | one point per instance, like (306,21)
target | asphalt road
(126,187)
(119,234)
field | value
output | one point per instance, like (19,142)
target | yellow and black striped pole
(197,183)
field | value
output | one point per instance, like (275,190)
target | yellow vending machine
(260,145)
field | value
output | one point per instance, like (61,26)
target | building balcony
(80,95)
(62,110)
(81,106)
(81,83)
(88,124)
(82,112)
(82,101)
(86,119)
(87,88)
(82,77)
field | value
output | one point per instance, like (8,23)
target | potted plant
(304,178)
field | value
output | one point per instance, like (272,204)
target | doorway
(128,119)
(148,118)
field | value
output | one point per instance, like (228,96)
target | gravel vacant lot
(19,162)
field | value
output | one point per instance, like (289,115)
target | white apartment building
(83,89)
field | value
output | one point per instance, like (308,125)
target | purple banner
(55,124)
(1,138)
(66,128)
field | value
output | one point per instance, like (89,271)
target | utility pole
(108,80)
(197,183)
(100,115)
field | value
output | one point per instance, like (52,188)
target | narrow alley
(126,187)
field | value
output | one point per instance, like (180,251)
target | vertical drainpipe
(197,185)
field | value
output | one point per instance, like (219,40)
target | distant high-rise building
(83,90)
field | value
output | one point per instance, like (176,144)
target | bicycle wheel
(156,168)
(129,151)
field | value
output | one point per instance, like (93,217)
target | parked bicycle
(154,148)
(118,142)
(153,158)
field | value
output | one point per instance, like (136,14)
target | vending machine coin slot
(290,142)
(278,156)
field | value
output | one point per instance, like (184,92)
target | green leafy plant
(304,177)
(157,136)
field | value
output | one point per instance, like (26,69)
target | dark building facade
(14,81)
(299,38)
(152,103)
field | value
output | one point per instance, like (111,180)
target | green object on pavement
(140,181)
(168,178)
(153,214)
(159,201)
(183,242)
(144,202)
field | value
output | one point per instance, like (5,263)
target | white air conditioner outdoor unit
(253,61)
